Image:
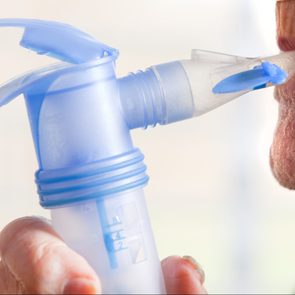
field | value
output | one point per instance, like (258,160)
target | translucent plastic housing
(115,237)
(76,124)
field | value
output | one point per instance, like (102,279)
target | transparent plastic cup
(115,237)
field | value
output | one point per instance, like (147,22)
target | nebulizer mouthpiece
(90,175)
(216,79)
(184,89)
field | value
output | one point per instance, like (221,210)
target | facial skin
(282,153)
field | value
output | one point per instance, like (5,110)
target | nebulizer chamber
(86,151)
(90,175)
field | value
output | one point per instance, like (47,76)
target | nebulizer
(90,175)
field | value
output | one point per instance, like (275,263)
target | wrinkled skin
(282,153)
(35,260)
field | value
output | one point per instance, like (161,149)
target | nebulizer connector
(159,95)
(90,175)
(179,90)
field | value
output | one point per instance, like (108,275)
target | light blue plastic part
(256,78)
(58,40)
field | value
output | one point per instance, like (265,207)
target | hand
(282,154)
(35,260)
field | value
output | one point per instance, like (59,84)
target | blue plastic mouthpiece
(266,74)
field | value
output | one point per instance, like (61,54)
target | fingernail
(81,286)
(196,266)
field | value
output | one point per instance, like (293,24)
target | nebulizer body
(90,174)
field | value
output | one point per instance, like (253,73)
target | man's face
(282,153)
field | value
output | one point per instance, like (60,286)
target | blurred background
(211,193)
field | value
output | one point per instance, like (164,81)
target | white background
(211,193)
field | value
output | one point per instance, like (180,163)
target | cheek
(282,153)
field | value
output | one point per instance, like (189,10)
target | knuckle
(9,283)
(30,247)
(46,265)
(14,231)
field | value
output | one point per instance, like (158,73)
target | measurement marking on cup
(109,229)
(115,221)
(122,234)
(115,240)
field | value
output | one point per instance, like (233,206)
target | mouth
(282,152)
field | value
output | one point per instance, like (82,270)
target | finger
(8,283)
(282,153)
(183,275)
(42,263)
